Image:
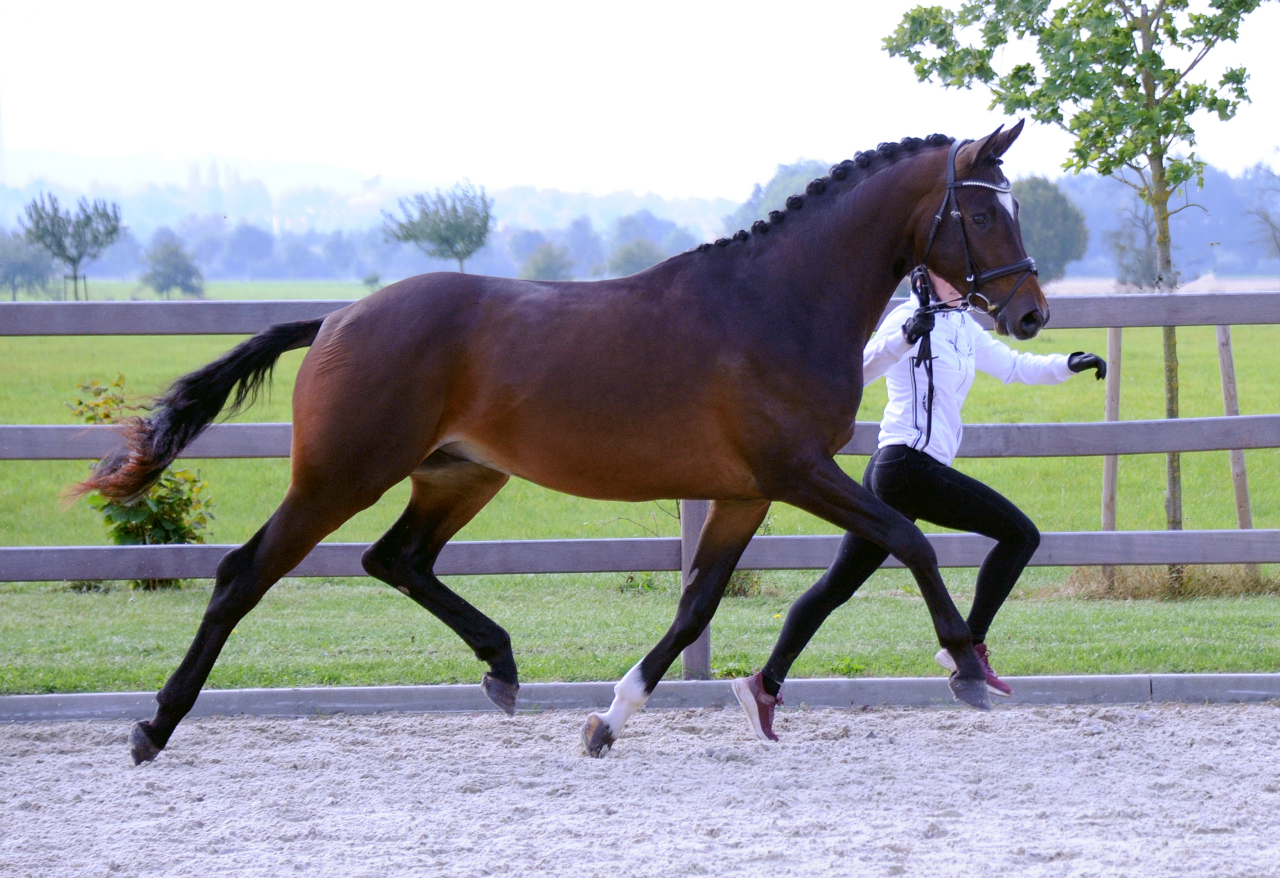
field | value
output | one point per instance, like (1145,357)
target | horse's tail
(190,404)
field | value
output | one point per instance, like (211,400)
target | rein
(922,286)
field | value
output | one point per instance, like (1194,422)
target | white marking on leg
(628,697)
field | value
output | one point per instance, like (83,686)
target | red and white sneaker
(995,685)
(758,704)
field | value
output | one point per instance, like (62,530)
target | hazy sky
(681,99)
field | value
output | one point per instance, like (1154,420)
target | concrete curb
(841,693)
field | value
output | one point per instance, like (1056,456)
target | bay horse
(731,372)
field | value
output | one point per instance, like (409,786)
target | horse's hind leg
(244,576)
(728,529)
(447,493)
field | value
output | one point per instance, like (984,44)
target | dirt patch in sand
(1151,790)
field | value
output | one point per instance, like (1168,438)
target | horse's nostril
(1032,322)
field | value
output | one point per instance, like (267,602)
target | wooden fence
(621,555)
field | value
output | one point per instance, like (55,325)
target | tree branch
(1158,14)
(1184,74)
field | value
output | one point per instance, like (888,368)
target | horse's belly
(623,472)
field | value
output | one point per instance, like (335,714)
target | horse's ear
(993,145)
(1002,140)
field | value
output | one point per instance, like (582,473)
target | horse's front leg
(728,529)
(818,486)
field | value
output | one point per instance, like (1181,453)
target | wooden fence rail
(42,442)
(484,557)
(39,442)
(246,318)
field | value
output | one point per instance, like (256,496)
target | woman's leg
(961,502)
(856,560)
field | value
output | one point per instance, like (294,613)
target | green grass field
(584,627)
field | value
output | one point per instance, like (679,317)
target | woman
(911,472)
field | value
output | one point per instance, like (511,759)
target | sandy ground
(1141,791)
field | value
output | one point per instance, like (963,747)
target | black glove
(918,325)
(1079,361)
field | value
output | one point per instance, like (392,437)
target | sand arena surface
(1150,791)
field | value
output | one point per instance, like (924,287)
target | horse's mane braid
(856,167)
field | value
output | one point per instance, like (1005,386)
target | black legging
(918,486)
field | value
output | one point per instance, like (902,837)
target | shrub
(638,583)
(732,669)
(174,510)
(1155,583)
(847,667)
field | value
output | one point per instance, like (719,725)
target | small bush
(1155,583)
(731,670)
(88,586)
(175,510)
(638,583)
(847,667)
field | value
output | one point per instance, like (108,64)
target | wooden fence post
(1110,462)
(1231,407)
(695,661)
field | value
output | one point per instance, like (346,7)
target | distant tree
(548,262)
(522,243)
(23,266)
(248,250)
(72,239)
(1053,228)
(636,256)
(452,225)
(666,236)
(339,253)
(1266,210)
(170,268)
(1134,246)
(372,281)
(787,180)
(585,247)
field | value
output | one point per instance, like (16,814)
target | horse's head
(977,246)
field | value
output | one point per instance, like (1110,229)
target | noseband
(974,297)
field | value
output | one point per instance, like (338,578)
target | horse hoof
(501,693)
(596,737)
(971,692)
(140,745)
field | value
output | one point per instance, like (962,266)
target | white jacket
(960,345)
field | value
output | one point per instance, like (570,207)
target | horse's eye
(980,219)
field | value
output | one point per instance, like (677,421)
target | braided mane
(849,172)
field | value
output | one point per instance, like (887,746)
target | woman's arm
(1001,361)
(887,346)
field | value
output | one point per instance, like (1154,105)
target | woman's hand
(918,325)
(1079,361)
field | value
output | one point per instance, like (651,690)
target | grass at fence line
(356,632)
(1060,494)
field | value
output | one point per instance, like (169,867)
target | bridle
(922,286)
(975,298)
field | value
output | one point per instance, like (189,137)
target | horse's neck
(852,255)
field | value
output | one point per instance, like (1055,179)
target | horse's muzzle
(1031,323)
